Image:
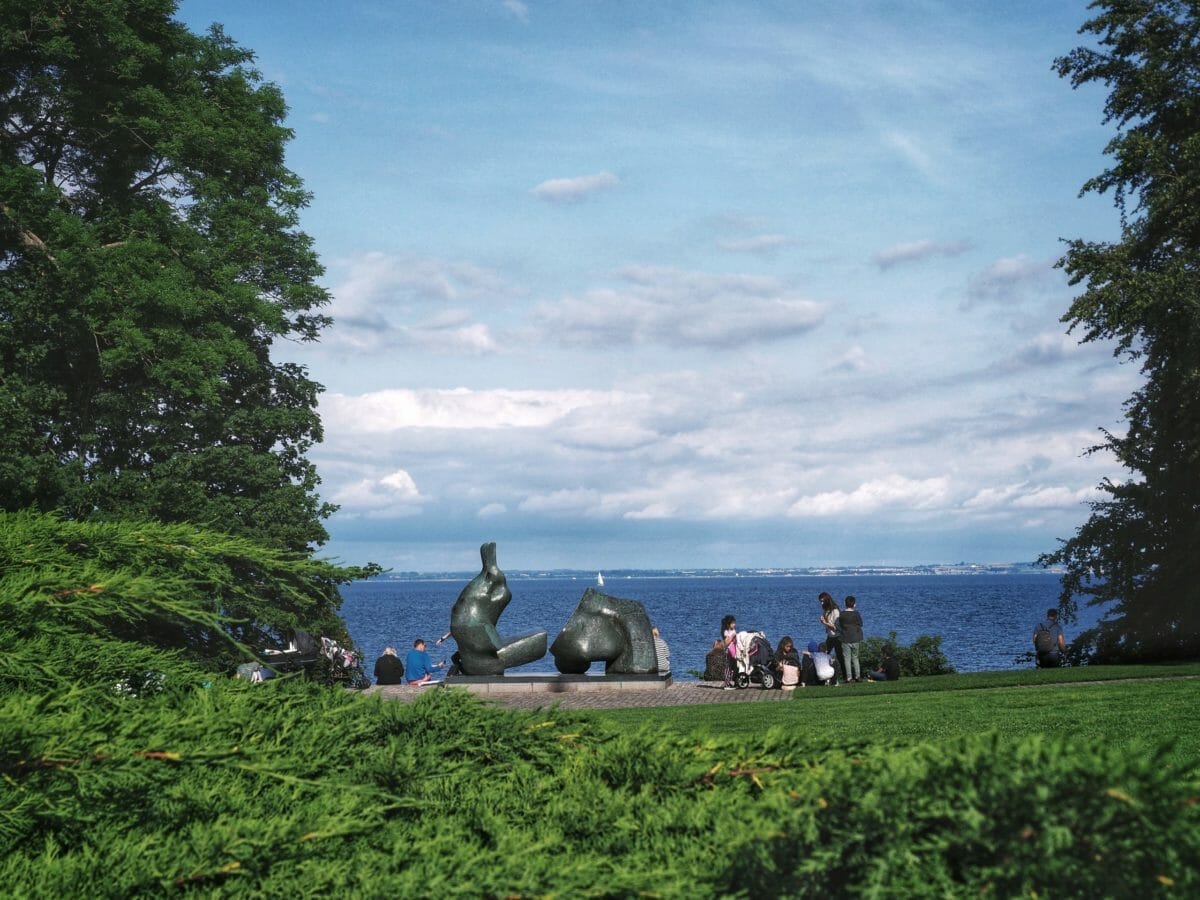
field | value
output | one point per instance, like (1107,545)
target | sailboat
(599,580)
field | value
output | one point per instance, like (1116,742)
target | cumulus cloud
(890,492)
(394,493)
(387,302)
(1024,496)
(573,190)
(1008,280)
(456,408)
(917,251)
(681,309)
(761,244)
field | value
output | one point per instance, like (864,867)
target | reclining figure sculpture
(606,628)
(481,649)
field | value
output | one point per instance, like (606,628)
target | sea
(984,619)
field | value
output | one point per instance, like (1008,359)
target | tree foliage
(150,259)
(1137,552)
(100,602)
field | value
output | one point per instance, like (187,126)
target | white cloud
(387,302)
(517,9)
(456,409)
(888,493)
(917,251)
(1008,280)
(762,244)
(492,511)
(678,308)
(573,190)
(395,493)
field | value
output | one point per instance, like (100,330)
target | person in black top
(889,669)
(388,668)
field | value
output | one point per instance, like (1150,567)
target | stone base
(556,684)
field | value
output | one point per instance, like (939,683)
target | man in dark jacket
(852,638)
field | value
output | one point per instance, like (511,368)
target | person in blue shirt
(418,666)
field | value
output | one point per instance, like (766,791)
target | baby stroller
(754,660)
(341,666)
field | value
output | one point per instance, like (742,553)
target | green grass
(1143,707)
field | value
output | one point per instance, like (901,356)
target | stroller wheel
(743,680)
(768,680)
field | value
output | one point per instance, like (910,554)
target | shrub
(923,657)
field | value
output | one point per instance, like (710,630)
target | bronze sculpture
(606,628)
(481,649)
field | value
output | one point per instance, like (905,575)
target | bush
(923,657)
(291,789)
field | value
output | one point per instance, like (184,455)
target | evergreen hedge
(216,787)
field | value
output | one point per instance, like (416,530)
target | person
(889,669)
(831,619)
(662,653)
(388,668)
(729,640)
(808,667)
(786,663)
(418,664)
(823,662)
(852,638)
(714,662)
(1049,642)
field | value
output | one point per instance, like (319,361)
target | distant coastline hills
(961,568)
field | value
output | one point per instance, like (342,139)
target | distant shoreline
(934,569)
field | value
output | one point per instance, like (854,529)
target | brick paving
(680,693)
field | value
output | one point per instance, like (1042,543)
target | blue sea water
(985,621)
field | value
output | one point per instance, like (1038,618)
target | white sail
(599,580)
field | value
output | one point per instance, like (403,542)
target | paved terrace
(679,693)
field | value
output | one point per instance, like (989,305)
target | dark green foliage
(1137,551)
(288,789)
(111,601)
(923,657)
(149,261)
(201,784)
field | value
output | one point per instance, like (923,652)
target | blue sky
(695,284)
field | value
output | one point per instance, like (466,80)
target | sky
(704,284)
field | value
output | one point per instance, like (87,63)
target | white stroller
(754,660)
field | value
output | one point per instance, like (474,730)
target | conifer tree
(150,261)
(1138,551)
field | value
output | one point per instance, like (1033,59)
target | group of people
(417,668)
(834,660)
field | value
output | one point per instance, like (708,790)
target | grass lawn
(1149,712)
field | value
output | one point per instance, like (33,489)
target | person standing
(662,653)
(831,619)
(852,638)
(388,668)
(1049,642)
(418,664)
(729,639)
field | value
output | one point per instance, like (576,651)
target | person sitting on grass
(1049,642)
(786,663)
(889,669)
(418,664)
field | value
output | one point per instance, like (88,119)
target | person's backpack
(1043,640)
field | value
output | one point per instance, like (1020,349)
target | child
(787,663)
